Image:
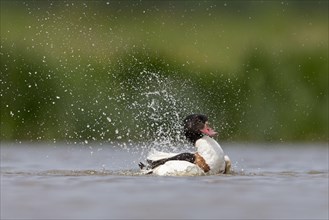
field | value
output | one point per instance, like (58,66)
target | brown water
(101,182)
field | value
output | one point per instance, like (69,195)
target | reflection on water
(138,173)
(66,182)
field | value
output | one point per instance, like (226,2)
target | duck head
(196,126)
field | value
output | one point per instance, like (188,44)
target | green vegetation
(128,70)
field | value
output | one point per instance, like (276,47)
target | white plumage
(178,168)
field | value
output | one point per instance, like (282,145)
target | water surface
(40,181)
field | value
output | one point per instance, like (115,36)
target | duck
(209,158)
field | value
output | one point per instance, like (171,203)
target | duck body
(206,146)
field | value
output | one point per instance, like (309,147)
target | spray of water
(158,104)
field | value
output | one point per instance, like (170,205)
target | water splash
(158,104)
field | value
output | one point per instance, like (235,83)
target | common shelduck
(208,159)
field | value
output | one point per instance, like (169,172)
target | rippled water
(40,181)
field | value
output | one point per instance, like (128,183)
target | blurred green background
(82,71)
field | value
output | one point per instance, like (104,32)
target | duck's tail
(145,168)
(141,165)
